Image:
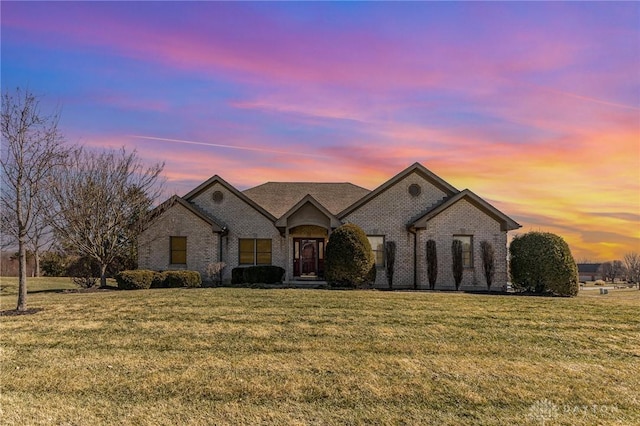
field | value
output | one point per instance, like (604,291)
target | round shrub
(349,260)
(135,280)
(541,262)
(237,276)
(173,279)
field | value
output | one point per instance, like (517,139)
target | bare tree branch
(99,200)
(32,148)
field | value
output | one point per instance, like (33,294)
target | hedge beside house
(174,279)
(135,280)
(143,279)
(263,274)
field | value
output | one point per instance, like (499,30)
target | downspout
(221,234)
(225,232)
(415,260)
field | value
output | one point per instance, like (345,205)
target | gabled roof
(278,197)
(192,208)
(218,180)
(335,222)
(506,223)
(415,167)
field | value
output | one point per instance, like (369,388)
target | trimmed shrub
(84,272)
(391,262)
(173,279)
(488,262)
(135,280)
(457,266)
(541,262)
(599,282)
(370,279)
(158,278)
(237,275)
(432,264)
(263,274)
(348,259)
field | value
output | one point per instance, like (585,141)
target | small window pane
(246,245)
(264,259)
(377,247)
(178,250)
(247,251)
(467,249)
(264,245)
(263,252)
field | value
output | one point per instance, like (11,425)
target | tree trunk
(103,276)
(36,259)
(22,280)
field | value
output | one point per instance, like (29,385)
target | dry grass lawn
(319,357)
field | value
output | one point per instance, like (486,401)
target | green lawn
(249,356)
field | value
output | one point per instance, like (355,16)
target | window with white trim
(467,249)
(377,247)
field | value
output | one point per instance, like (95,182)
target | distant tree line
(627,269)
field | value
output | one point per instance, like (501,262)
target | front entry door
(308,260)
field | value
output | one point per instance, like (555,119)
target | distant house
(589,271)
(288,224)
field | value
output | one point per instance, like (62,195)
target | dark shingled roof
(278,197)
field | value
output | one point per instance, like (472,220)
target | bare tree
(32,148)
(488,262)
(39,236)
(617,269)
(100,200)
(607,271)
(632,262)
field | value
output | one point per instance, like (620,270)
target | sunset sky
(533,106)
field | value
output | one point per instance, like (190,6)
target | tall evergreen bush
(457,266)
(349,260)
(541,262)
(432,264)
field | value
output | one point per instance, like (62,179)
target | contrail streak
(216,145)
(581,97)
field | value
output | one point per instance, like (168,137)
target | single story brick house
(288,224)
(589,272)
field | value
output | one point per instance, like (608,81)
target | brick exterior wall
(388,214)
(243,221)
(462,218)
(154,243)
